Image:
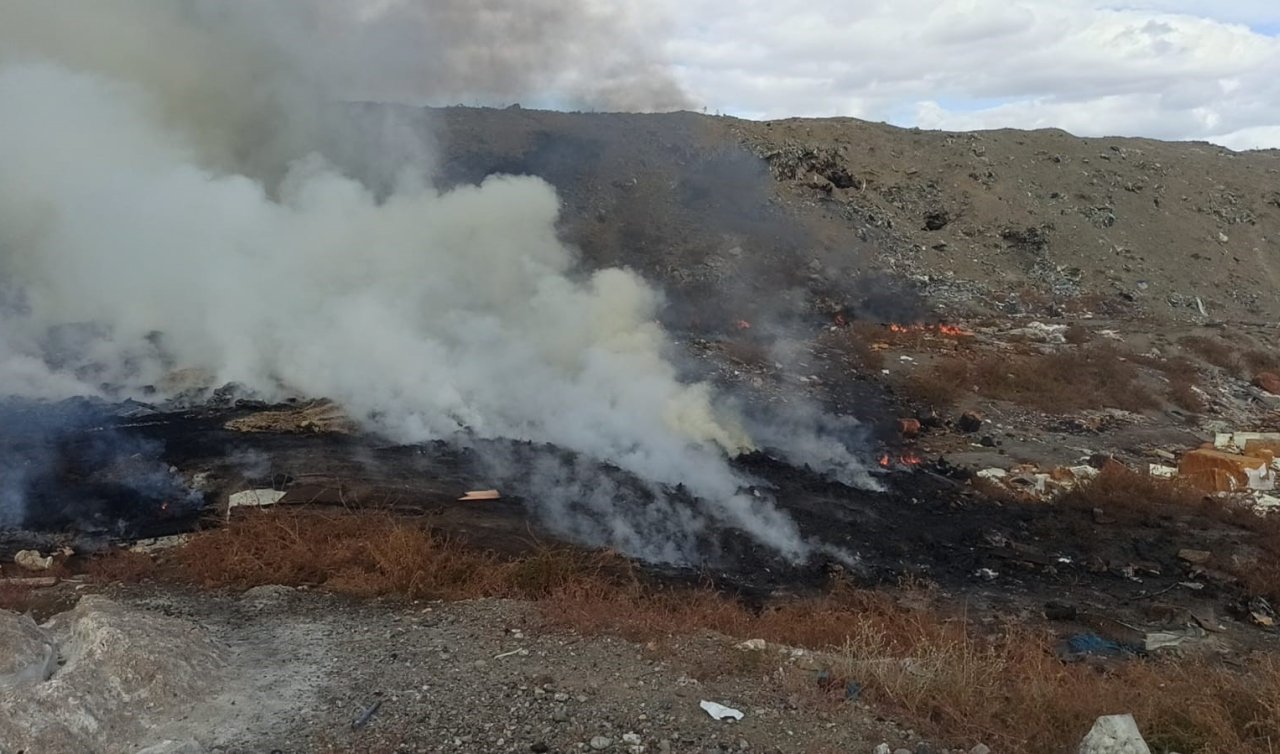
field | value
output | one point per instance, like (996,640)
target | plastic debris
(1080,646)
(720,712)
(1167,639)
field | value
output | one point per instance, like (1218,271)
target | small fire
(909,458)
(953,331)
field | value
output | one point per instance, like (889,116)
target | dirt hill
(1007,221)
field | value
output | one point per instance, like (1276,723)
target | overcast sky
(1171,69)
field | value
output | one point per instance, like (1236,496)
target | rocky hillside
(1041,222)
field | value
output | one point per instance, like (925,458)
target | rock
(936,220)
(187,746)
(1195,557)
(970,421)
(539,748)
(33,560)
(1114,734)
(268,594)
(27,654)
(135,669)
(980,749)
(560,714)
(630,738)
(1268,381)
(882,749)
(600,743)
(752,645)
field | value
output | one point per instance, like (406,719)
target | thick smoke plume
(166,201)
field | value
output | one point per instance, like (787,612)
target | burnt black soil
(922,526)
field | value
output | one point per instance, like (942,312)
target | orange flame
(953,331)
(906,459)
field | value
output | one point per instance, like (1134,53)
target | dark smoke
(64,465)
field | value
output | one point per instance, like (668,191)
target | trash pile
(1029,482)
(1244,466)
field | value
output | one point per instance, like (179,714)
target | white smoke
(425,314)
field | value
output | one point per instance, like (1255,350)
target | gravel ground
(313,673)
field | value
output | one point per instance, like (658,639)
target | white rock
(600,743)
(1114,734)
(27,654)
(189,746)
(33,560)
(752,645)
(882,749)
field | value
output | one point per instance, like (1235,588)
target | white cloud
(1173,69)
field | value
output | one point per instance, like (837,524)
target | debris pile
(1242,466)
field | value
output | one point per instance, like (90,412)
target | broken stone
(1195,557)
(936,220)
(752,645)
(32,560)
(909,427)
(970,422)
(1114,734)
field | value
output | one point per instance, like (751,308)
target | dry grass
(1077,378)
(368,554)
(1002,686)
(1241,362)
(1258,360)
(16,598)
(1213,351)
(1007,689)
(1133,497)
(120,567)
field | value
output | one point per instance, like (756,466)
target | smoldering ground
(170,169)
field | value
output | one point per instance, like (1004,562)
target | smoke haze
(167,200)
